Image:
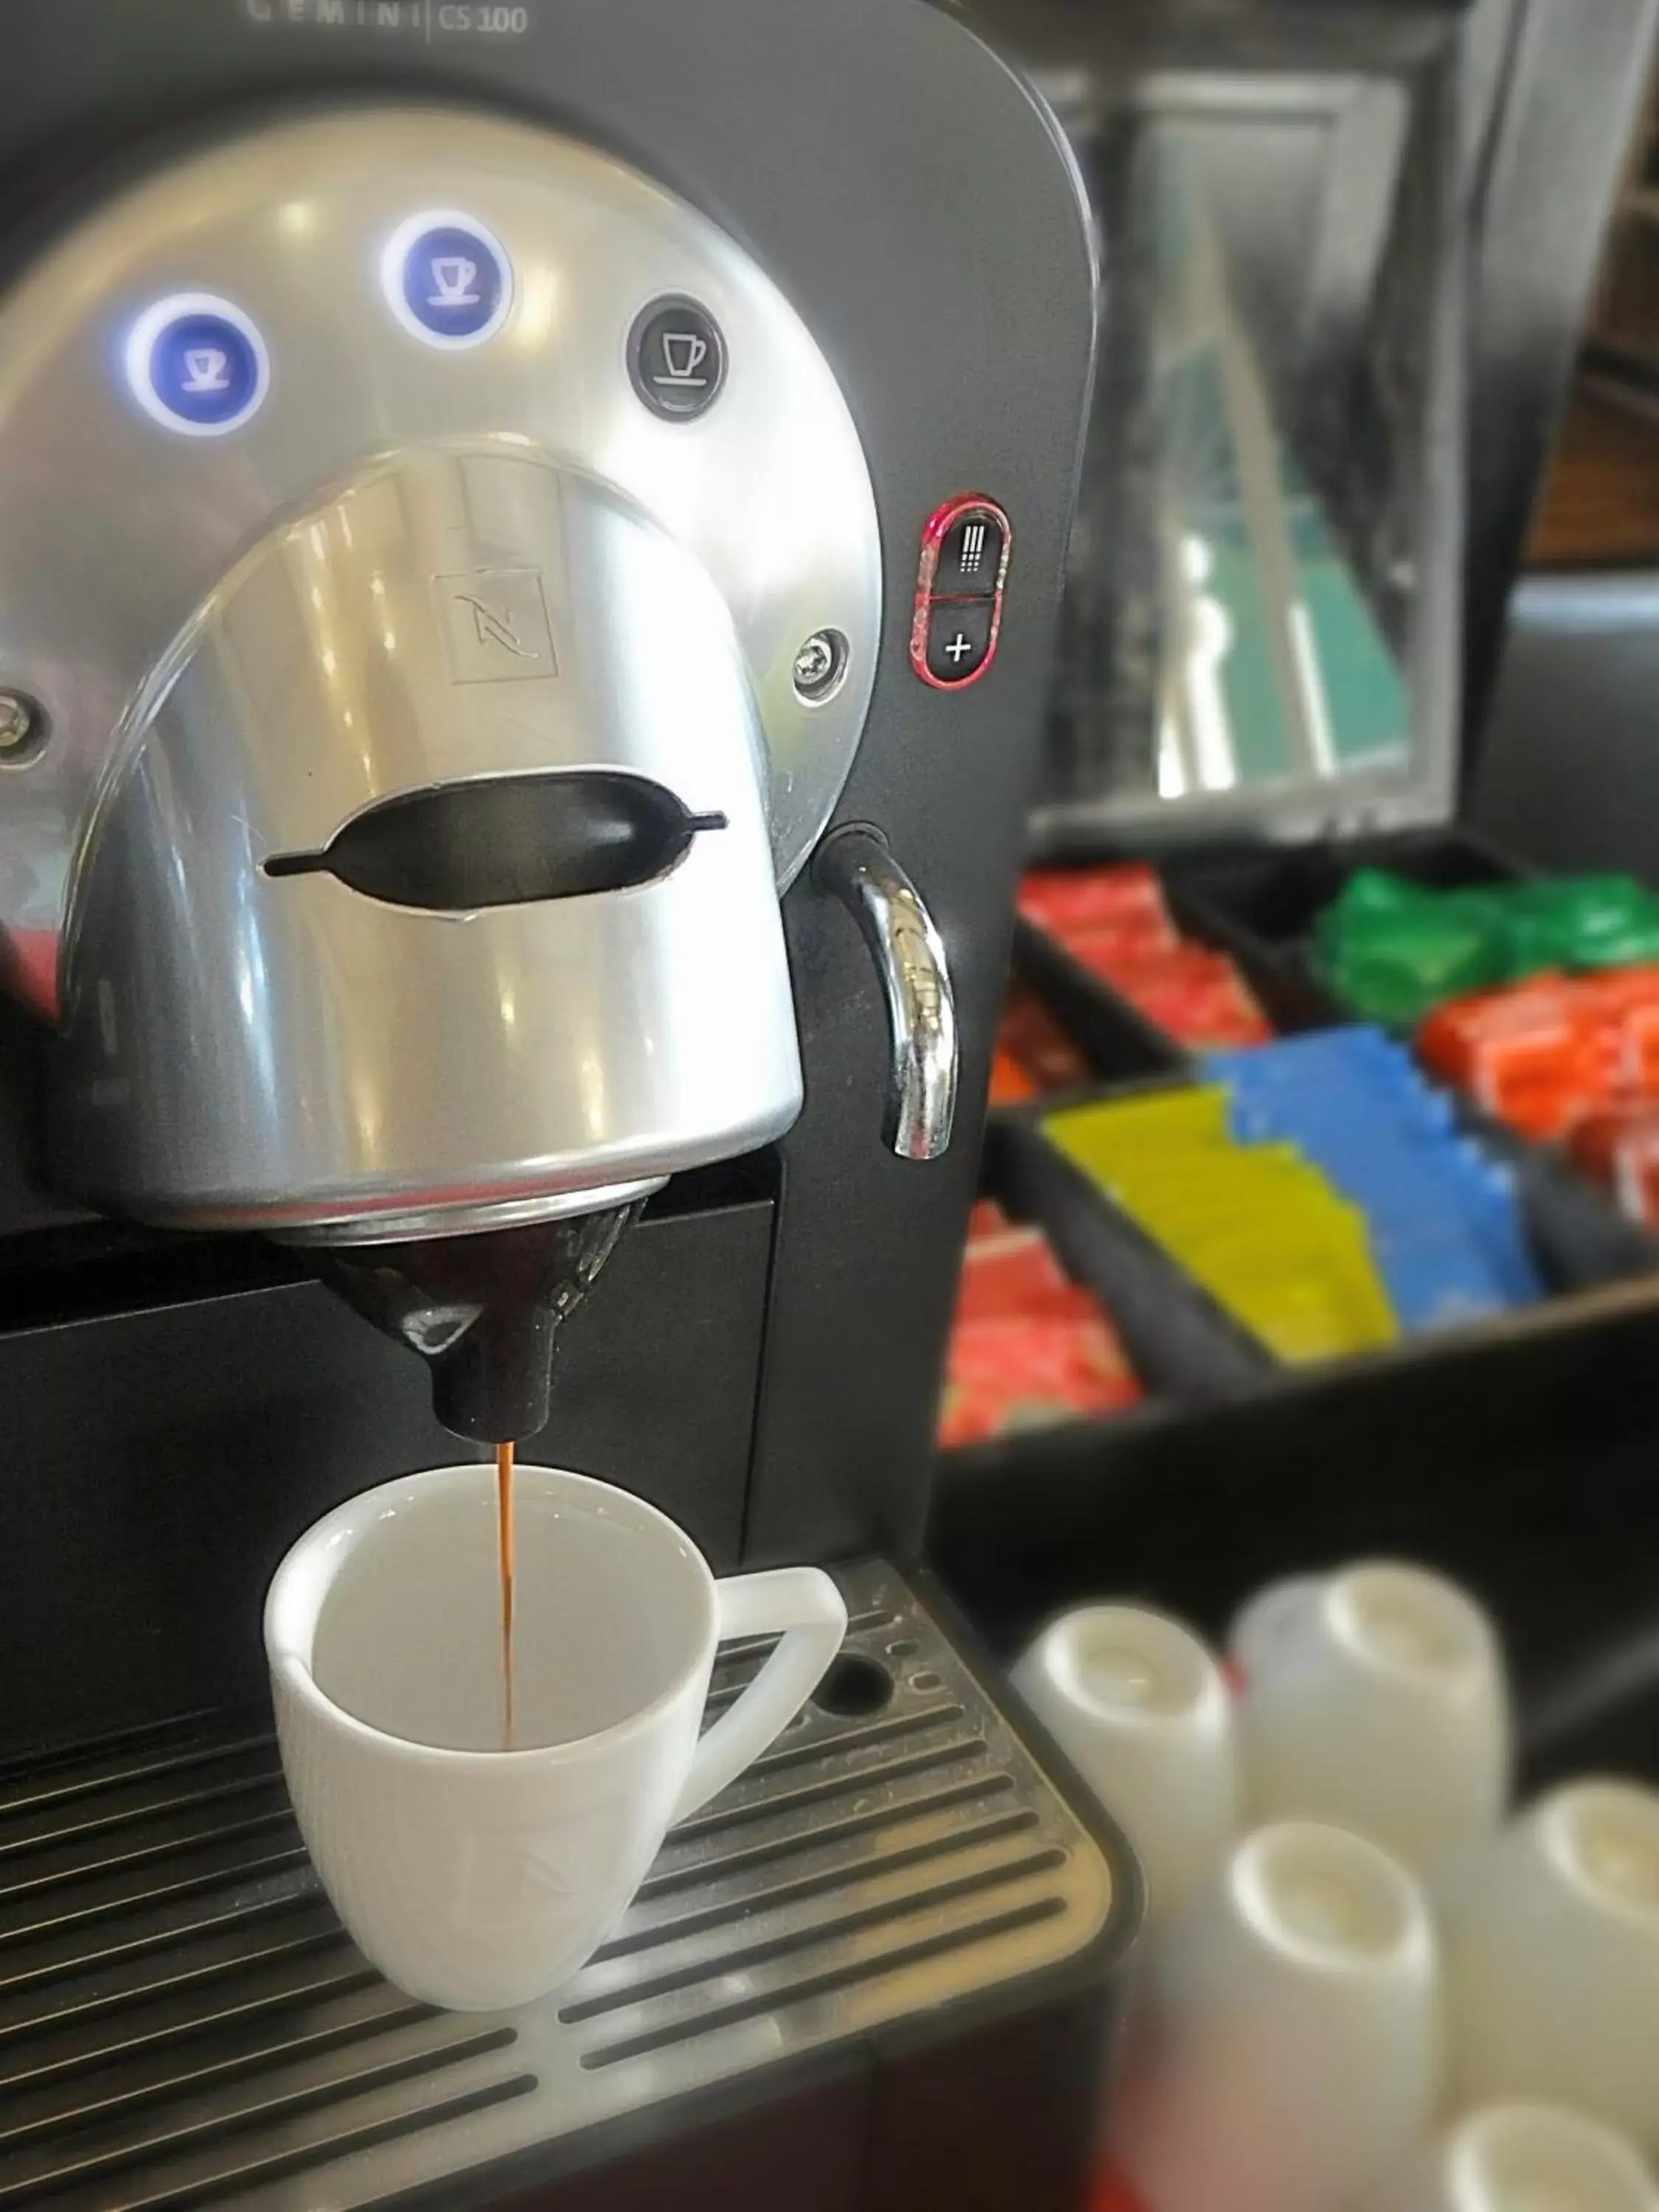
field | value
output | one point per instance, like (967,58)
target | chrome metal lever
(857,865)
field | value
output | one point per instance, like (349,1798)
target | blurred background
(1307,1348)
(1340,851)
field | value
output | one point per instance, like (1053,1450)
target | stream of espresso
(504,1539)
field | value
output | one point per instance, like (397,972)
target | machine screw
(22,728)
(820,664)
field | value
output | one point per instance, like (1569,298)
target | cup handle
(802,1606)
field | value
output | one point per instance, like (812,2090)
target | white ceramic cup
(1552,1960)
(1523,2158)
(1288,2052)
(1138,1703)
(1375,1699)
(475,1877)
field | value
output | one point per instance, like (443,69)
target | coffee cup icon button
(677,358)
(197,364)
(447,279)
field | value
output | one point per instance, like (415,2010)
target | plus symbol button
(958,639)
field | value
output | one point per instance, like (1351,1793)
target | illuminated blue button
(197,364)
(445,278)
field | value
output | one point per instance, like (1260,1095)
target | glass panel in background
(1239,638)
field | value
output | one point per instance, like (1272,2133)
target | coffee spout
(484,1311)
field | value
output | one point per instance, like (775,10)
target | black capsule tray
(1518,1455)
(1260,906)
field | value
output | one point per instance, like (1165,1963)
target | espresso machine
(529,545)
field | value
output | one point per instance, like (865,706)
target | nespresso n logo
(492,626)
(495,625)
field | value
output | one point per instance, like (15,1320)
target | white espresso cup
(1375,1699)
(1523,2158)
(1138,1702)
(473,1876)
(1553,1960)
(1287,2054)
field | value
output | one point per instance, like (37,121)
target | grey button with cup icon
(677,358)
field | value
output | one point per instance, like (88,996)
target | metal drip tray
(183,2020)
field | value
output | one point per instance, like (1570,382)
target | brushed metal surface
(420,1222)
(768,490)
(242,1049)
(182,2019)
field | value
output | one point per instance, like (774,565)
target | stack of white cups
(1522,2158)
(1343,1941)
(1287,2052)
(1375,1699)
(1553,1960)
(1284,2050)
(1140,1705)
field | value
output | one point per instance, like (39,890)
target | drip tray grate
(182,2021)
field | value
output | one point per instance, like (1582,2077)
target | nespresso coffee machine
(529,543)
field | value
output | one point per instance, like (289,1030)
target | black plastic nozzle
(483,1311)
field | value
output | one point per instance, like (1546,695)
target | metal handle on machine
(856,865)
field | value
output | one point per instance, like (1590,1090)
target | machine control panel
(957,614)
(246,329)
